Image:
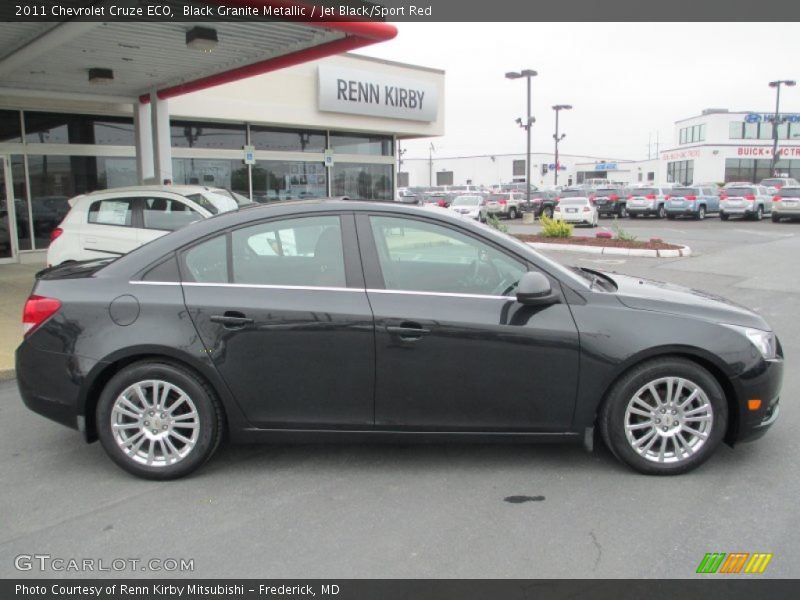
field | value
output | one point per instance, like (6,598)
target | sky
(626,81)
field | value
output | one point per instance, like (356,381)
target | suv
(648,200)
(778,182)
(692,201)
(749,201)
(111,223)
(542,203)
(505,204)
(786,203)
(609,201)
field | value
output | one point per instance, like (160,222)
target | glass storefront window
(748,169)
(56,179)
(22,215)
(10,128)
(681,171)
(222,173)
(196,134)
(57,128)
(287,140)
(360,181)
(275,180)
(735,130)
(355,143)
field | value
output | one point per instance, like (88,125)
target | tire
(678,450)
(512,213)
(723,216)
(701,213)
(633,215)
(120,403)
(623,211)
(759,214)
(776,218)
(548,212)
(672,217)
(661,213)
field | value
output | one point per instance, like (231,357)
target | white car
(472,206)
(576,210)
(113,222)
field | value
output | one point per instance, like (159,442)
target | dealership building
(717,145)
(297,117)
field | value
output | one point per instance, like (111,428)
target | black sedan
(323,320)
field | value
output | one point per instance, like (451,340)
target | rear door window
(113,211)
(167,214)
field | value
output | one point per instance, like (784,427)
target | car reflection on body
(322,320)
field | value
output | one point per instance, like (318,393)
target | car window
(114,211)
(789,192)
(207,262)
(421,256)
(303,251)
(167,214)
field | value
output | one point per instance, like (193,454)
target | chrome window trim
(440,294)
(274,287)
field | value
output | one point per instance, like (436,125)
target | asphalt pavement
(437,510)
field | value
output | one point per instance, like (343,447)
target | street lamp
(558,108)
(527,74)
(776,120)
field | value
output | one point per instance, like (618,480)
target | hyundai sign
(768,117)
(359,92)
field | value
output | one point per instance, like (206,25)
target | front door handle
(407,331)
(232,319)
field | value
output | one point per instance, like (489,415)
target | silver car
(648,200)
(786,203)
(746,201)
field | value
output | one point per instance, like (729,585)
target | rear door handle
(232,319)
(407,331)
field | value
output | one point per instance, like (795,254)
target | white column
(162,146)
(144,142)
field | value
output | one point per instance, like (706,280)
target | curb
(7,374)
(683,251)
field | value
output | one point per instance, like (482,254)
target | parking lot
(399,511)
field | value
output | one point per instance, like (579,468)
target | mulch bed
(604,242)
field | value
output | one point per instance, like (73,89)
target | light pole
(527,74)
(558,108)
(776,120)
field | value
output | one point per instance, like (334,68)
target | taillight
(776,198)
(651,196)
(613,197)
(666,196)
(630,197)
(586,209)
(592,197)
(557,209)
(723,196)
(749,197)
(502,202)
(692,198)
(37,310)
(55,233)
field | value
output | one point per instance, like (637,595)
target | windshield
(467,201)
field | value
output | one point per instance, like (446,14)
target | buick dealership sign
(359,92)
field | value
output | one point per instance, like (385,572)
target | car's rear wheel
(664,417)
(724,216)
(672,217)
(548,212)
(701,213)
(759,214)
(623,212)
(661,212)
(633,215)
(512,213)
(775,217)
(158,420)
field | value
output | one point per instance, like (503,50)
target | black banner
(383,589)
(400,10)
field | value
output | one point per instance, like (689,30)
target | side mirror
(534,289)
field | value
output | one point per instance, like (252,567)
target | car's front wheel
(512,213)
(158,420)
(664,417)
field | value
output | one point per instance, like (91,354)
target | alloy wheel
(155,423)
(668,420)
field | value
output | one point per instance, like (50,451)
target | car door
(454,350)
(162,214)
(712,199)
(281,308)
(766,198)
(110,228)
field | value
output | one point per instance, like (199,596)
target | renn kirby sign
(373,94)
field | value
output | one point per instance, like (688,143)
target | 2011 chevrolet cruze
(335,319)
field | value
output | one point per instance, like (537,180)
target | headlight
(764,341)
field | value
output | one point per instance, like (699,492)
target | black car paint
(490,367)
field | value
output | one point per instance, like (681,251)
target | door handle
(407,331)
(232,319)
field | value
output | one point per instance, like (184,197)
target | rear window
(572,194)
(773,182)
(496,197)
(789,192)
(608,191)
(645,192)
(684,191)
(740,191)
(574,201)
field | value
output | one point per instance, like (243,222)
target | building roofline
(393,63)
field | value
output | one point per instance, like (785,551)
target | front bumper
(763,383)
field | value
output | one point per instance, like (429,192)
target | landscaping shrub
(556,229)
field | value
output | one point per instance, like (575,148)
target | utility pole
(430,164)
(776,120)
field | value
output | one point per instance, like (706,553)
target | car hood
(648,294)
